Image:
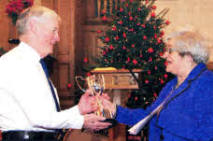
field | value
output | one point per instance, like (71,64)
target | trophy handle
(103,84)
(77,78)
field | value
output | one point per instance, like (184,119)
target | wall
(4,26)
(185,13)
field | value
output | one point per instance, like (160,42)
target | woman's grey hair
(190,43)
(36,12)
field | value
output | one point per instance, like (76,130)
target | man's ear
(33,25)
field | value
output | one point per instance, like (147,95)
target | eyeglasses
(170,50)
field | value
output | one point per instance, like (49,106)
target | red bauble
(111,47)
(155,95)
(129,95)
(167,22)
(104,53)
(165,75)
(114,28)
(162,33)
(147,81)
(124,48)
(120,22)
(134,61)
(117,37)
(99,31)
(150,50)
(104,18)
(154,7)
(161,54)
(143,25)
(153,14)
(88,74)
(161,81)
(69,85)
(128,59)
(144,37)
(85,60)
(124,34)
(107,39)
(131,30)
(159,41)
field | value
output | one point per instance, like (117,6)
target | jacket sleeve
(129,116)
(132,116)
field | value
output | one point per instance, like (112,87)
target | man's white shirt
(26,101)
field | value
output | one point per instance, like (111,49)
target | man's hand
(87,103)
(94,122)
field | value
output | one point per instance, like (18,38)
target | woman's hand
(108,105)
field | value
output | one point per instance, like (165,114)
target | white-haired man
(29,108)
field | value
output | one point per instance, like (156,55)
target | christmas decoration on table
(15,7)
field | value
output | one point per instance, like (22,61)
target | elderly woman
(188,112)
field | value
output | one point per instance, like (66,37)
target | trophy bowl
(96,83)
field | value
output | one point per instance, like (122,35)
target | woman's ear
(189,58)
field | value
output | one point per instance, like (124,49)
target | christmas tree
(135,41)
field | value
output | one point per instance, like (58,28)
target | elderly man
(29,108)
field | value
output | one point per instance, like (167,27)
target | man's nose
(57,38)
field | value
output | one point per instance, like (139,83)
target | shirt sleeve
(70,118)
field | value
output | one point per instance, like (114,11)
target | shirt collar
(31,53)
